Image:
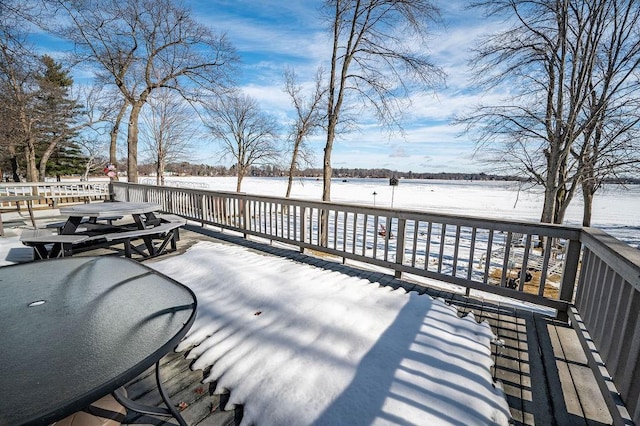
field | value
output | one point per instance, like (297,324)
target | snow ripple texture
(296,344)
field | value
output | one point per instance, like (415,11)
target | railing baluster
(387,236)
(400,245)
(456,249)
(354,225)
(487,263)
(471,252)
(427,255)
(414,250)
(375,236)
(525,261)
(344,231)
(506,260)
(365,232)
(545,265)
(443,238)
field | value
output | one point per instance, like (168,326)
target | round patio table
(76,329)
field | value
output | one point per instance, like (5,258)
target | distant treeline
(190,169)
(386,173)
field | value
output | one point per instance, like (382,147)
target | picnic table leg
(148,241)
(127,248)
(30,208)
(40,251)
(71,225)
(172,237)
(60,250)
(56,251)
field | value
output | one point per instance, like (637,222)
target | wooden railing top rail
(551,230)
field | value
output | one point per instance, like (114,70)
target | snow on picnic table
(296,344)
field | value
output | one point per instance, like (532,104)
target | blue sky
(270,35)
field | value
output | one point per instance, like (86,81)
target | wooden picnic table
(143,213)
(82,230)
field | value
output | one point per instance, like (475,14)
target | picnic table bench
(157,239)
(40,238)
(168,232)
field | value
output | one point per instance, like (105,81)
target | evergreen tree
(66,160)
(57,149)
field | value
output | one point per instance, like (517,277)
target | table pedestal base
(170,410)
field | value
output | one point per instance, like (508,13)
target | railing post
(402,223)
(303,227)
(572,258)
(244,212)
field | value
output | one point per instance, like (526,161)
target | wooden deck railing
(608,306)
(51,193)
(536,262)
(530,262)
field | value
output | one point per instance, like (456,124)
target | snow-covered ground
(615,207)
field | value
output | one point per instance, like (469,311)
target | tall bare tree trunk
(14,163)
(14,169)
(327,170)
(30,159)
(292,168)
(113,134)
(588,206)
(550,189)
(239,180)
(132,142)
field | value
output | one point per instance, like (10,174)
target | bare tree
(570,65)
(378,56)
(246,133)
(94,149)
(116,107)
(142,46)
(168,130)
(18,70)
(309,119)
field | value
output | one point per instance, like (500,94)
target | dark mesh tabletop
(75,329)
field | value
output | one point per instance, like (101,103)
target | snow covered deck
(539,360)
